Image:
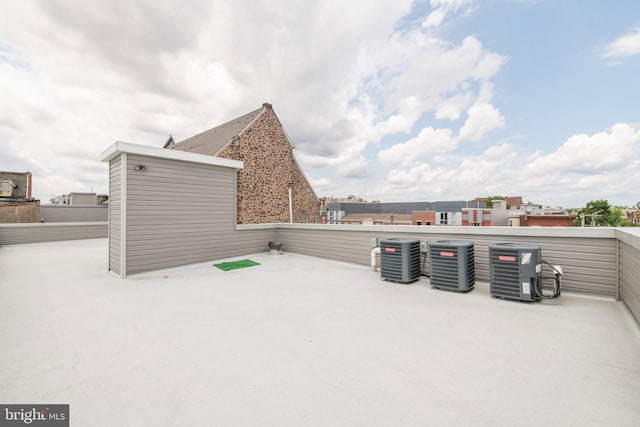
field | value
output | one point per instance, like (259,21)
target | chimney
(29,185)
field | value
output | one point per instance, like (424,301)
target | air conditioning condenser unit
(515,270)
(452,265)
(400,260)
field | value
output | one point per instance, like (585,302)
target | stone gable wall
(269,171)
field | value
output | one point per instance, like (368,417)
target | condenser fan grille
(505,280)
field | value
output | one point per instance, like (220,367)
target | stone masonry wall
(269,171)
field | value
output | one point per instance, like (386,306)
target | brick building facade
(476,217)
(270,171)
(423,217)
(547,220)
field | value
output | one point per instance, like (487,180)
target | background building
(423,217)
(271,187)
(480,217)
(534,215)
(16,202)
(417,213)
(15,186)
(377,219)
(83,199)
(551,220)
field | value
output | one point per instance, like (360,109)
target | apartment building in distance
(400,213)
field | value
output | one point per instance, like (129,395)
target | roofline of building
(266,106)
(226,142)
(262,110)
(120,147)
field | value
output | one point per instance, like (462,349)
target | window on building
(304,218)
(427,223)
(475,224)
(6,188)
(418,222)
(444,217)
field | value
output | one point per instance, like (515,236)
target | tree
(619,213)
(601,213)
(489,201)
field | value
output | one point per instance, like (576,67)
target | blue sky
(390,100)
(556,77)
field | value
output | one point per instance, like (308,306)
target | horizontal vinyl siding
(12,234)
(254,241)
(65,213)
(349,246)
(630,278)
(589,264)
(115,214)
(183,213)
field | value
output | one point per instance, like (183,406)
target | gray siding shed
(115,212)
(169,208)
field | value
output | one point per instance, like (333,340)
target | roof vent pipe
(374,252)
(290,207)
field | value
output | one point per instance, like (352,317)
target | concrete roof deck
(301,341)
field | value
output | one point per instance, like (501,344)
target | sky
(392,100)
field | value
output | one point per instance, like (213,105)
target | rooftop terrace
(301,340)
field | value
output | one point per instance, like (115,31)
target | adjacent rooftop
(300,340)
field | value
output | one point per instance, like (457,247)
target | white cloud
(87,75)
(482,118)
(435,18)
(604,152)
(625,46)
(440,9)
(452,107)
(441,82)
(455,179)
(428,143)
(431,68)
(408,111)
(583,168)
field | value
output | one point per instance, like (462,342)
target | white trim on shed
(125,147)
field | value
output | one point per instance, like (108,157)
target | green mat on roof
(234,265)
